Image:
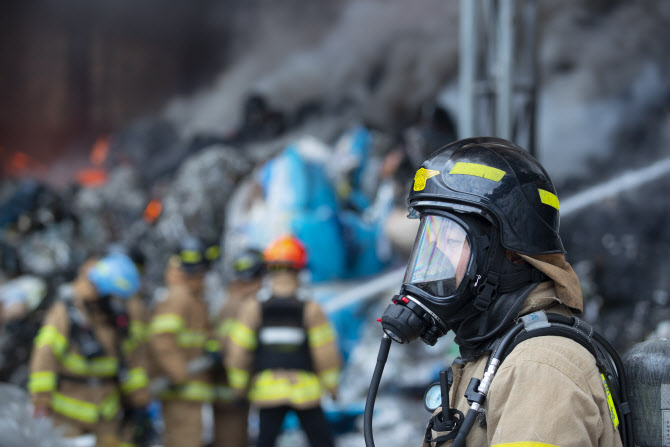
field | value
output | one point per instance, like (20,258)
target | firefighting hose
(478,389)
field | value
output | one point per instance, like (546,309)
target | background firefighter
(179,332)
(284,351)
(77,374)
(230,412)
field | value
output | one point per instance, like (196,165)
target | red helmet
(286,251)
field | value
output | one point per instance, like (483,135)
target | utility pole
(497,70)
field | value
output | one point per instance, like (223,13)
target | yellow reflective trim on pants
(98,367)
(42,381)
(166,323)
(268,388)
(212,346)
(137,378)
(129,345)
(238,378)
(191,339)
(330,377)
(524,444)
(49,336)
(193,390)
(477,170)
(243,336)
(610,402)
(320,335)
(86,411)
(126,444)
(548,198)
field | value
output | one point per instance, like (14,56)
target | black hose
(464,430)
(384,348)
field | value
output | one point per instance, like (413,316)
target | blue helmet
(115,274)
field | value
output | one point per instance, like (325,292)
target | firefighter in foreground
(179,333)
(487,252)
(283,351)
(230,412)
(77,372)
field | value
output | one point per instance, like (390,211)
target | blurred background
(140,122)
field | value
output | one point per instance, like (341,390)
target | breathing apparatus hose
(384,348)
(490,370)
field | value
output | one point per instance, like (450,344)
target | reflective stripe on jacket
(180,333)
(283,386)
(547,392)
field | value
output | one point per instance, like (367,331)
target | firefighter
(487,254)
(77,372)
(283,351)
(231,413)
(179,332)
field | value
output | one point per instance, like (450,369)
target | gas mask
(440,277)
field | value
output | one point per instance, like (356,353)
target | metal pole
(467,70)
(505,68)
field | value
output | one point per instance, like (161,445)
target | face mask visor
(440,257)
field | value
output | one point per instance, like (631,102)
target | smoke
(604,73)
(382,58)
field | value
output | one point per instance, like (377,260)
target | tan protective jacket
(548,391)
(85,391)
(179,331)
(275,387)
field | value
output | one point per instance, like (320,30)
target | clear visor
(440,256)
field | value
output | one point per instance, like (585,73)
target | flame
(92,177)
(19,163)
(99,151)
(152,211)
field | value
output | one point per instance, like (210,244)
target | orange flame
(92,177)
(99,151)
(152,211)
(19,163)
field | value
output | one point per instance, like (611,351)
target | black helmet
(249,265)
(192,255)
(477,198)
(499,180)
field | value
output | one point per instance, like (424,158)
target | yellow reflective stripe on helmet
(224,328)
(268,388)
(49,336)
(137,378)
(99,367)
(212,253)
(191,339)
(320,335)
(477,170)
(190,256)
(74,408)
(243,336)
(610,402)
(110,406)
(421,176)
(193,390)
(238,378)
(42,381)
(548,198)
(330,377)
(166,323)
